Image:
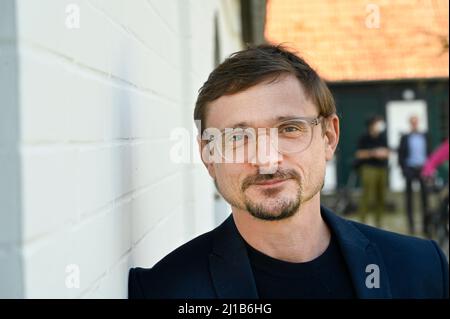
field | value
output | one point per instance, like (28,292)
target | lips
(271,182)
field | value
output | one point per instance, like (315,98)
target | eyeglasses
(241,144)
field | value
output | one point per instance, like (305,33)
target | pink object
(435,159)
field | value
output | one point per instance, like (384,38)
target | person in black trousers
(412,154)
(372,155)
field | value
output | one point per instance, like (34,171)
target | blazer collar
(361,256)
(229,264)
(233,277)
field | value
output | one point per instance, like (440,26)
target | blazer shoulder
(173,274)
(395,242)
(411,262)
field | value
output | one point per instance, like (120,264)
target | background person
(412,154)
(372,155)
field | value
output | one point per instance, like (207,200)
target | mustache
(279,174)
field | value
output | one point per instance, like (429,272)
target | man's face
(273,188)
(414,123)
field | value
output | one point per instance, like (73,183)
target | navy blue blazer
(216,265)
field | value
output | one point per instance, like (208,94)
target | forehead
(261,104)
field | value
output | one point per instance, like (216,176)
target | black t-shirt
(325,277)
(368,142)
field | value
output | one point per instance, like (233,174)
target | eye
(289,129)
(236,137)
(292,129)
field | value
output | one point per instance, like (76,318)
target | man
(279,242)
(412,154)
(372,156)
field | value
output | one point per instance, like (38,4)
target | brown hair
(249,67)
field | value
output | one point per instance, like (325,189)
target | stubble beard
(274,209)
(271,208)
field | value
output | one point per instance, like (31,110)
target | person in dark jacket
(267,127)
(413,151)
(372,155)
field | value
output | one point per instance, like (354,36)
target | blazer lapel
(233,277)
(229,264)
(363,258)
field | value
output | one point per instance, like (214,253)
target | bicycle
(438,217)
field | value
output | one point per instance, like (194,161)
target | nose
(267,158)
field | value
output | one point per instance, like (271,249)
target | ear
(331,136)
(207,156)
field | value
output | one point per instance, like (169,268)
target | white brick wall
(85,122)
